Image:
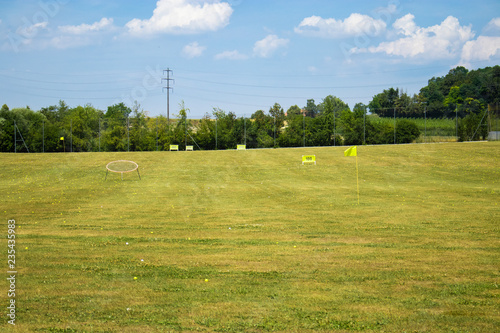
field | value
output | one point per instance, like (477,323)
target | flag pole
(357,176)
(353,151)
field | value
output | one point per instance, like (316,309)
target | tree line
(121,128)
(460,90)
(461,93)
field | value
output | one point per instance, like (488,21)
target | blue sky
(237,55)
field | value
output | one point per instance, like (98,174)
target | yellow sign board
(174,147)
(189,148)
(241,147)
(308,159)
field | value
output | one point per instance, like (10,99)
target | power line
(60,82)
(364,73)
(295,87)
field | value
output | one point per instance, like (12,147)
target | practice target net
(122,167)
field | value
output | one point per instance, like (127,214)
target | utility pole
(364,125)
(274,132)
(168,87)
(425,115)
(304,126)
(334,130)
(394,125)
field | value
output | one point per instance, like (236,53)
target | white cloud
(406,25)
(355,25)
(183,16)
(40,36)
(493,25)
(441,41)
(231,55)
(483,48)
(193,50)
(266,47)
(66,42)
(70,36)
(312,69)
(86,28)
(32,30)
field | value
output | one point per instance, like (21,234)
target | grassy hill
(232,241)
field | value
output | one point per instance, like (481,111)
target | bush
(406,131)
(470,128)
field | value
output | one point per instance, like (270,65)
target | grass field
(253,241)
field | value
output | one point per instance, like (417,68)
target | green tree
(293,135)
(383,104)
(353,127)
(473,126)
(278,116)
(205,133)
(264,129)
(292,111)
(328,121)
(28,125)
(84,127)
(182,129)
(116,121)
(139,138)
(311,108)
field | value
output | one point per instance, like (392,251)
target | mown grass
(253,241)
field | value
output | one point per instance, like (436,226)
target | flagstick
(357,176)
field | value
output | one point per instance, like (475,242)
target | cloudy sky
(237,55)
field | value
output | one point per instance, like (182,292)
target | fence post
(364,125)
(394,125)
(304,126)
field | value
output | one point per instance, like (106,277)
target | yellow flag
(351,151)
(62,138)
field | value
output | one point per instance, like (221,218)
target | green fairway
(254,241)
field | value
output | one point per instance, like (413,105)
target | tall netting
(493,122)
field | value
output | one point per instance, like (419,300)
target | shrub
(406,131)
